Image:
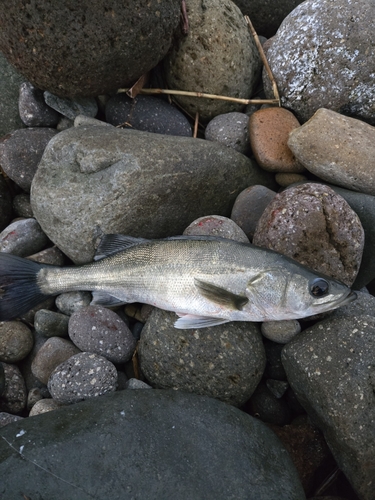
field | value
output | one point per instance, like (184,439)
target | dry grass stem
(196,123)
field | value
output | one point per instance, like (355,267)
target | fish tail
(19,289)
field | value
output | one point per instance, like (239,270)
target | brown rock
(269,130)
(316,227)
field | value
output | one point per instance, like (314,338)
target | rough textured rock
(16,341)
(320,58)
(89,177)
(177,446)
(216,225)
(316,227)
(230,129)
(86,48)
(225,361)
(331,369)
(51,324)
(10,80)
(34,111)
(14,396)
(217,56)
(338,149)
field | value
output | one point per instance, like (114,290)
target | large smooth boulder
(99,179)
(145,444)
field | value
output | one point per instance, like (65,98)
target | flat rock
(320,58)
(109,45)
(177,446)
(217,56)
(33,109)
(225,361)
(330,367)
(338,149)
(316,227)
(89,177)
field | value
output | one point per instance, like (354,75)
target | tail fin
(19,290)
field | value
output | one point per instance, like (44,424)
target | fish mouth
(350,297)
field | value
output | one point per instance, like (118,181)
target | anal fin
(100,298)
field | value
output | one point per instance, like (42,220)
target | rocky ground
(100,403)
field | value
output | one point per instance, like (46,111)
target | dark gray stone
(330,366)
(150,114)
(22,206)
(16,341)
(89,177)
(10,80)
(158,445)
(23,237)
(51,324)
(230,129)
(225,361)
(89,48)
(274,367)
(270,409)
(70,302)
(21,151)
(71,108)
(34,111)
(14,396)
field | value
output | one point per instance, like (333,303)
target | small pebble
(7,418)
(33,397)
(51,255)
(43,406)
(281,331)
(28,317)
(70,302)
(52,353)
(23,237)
(230,129)
(134,383)
(71,108)
(136,329)
(84,121)
(216,225)
(22,206)
(101,331)
(51,324)
(84,375)
(249,206)
(34,111)
(16,341)
(14,396)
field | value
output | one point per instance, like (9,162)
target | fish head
(296,292)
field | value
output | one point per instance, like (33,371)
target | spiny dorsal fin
(114,243)
(221,296)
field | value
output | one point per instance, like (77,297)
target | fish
(205,280)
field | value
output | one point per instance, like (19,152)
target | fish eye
(319,287)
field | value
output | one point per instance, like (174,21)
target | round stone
(230,129)
(281,331)
(216,225)
(16,341)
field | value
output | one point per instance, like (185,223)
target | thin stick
(206,96)
(196,122)
(264,59)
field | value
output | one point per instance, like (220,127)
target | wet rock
(281,331)
(21,151)
(90,176)
(150,114)
(215,437)
(82,376)
(14,396)
(230,129)
(16,341)
(216,225)
(33,109)
(53,352)
(105,49)
(51,324)
(217,56)
(269,130)
(225,361)
(249,206)
(10,80)
(22,237)
(70,302)
(101,331)
(330,367)
(316,227)
(71,108)
(319,58)
(337,149)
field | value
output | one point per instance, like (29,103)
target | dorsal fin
(221,296)
(114,243)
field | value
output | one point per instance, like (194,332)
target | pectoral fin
(189,321)
(221,296)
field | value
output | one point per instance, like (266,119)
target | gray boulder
(95,180)
(145,445)
(10,81)
(330,367)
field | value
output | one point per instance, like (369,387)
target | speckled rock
(316,227)
(43,406)
(110,44)
(8,418)
(338,149)
(53,352)
(269,130)
(70,302)
(89,177)
(216,225)
(21,151)
(320,58)
(14,396)
(10,80)
(281,331)
(217,56)
(134,383)
(249,206)
(82,376)
(51,324)
(331,369)
(230,129)
(150,114)
(16,341)
(22,237)
(225,361)
(51,255)
(102,331)
(33,109)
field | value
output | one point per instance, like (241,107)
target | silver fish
(205,280)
